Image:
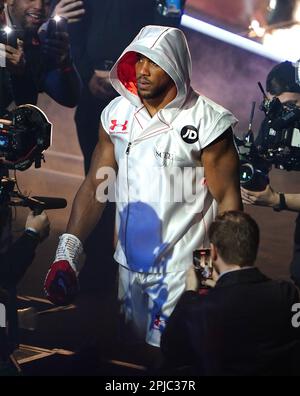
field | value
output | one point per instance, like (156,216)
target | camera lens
(246,173)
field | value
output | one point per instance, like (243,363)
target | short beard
(156,93)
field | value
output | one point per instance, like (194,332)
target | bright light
(285,41)
(275,53)
(273,4)
(255,24)
(57,18)
(258,30)
(8,30)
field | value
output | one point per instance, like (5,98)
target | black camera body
(280,142)
(278,145)
(25,133)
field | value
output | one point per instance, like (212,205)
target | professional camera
(278,144)
(25,133)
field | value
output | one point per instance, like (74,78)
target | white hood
(165,46)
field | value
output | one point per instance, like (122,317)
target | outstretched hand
(267,197)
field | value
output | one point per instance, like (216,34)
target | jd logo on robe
(190,134)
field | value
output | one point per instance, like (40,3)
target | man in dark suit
(243,326)
(13,265)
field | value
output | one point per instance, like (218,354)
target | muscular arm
(87,210)
(221,164)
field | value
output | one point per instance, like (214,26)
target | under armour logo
(118,127)
(157,321)
(190,134)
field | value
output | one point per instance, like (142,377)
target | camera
(8,36)
(203,266)
(25,133)
(46,32)
(53,25)
(277,144)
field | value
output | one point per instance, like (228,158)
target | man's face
(152,80)
(288,98)
(29,15)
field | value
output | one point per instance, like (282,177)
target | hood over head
(165,46)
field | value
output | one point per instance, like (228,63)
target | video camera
(278,144)
(25,133)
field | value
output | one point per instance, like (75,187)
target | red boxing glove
(61,283)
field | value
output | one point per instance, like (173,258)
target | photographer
(282,85)
(33,66)
(13,265)
(16,260)
(243,326)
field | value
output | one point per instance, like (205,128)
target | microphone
(50,203)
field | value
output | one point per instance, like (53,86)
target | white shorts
(147,301)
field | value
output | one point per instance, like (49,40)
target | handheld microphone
(51,203)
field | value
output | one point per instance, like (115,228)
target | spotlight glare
(273,4)
(233,39)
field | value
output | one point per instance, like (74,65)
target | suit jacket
(13,266)
(241,327)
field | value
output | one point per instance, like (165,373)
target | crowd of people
(138,118)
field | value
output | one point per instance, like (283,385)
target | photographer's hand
(268,197)
(191,282)
(72,10)
(212,282)
(100,85)
(15,58)
(40,224)
(58,47)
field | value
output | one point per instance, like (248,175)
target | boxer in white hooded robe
(155,130)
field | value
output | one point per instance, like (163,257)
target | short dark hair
(282,78)
(236,236)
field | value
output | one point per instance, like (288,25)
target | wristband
(32,233)
(282,203)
